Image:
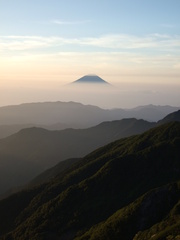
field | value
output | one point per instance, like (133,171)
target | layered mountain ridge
(128,189)
(62,115)
(33,150)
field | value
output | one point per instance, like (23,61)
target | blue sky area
(93,18)
(123,41)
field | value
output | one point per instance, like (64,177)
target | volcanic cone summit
(90,79)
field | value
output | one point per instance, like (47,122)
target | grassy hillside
(122,190)
(155,208)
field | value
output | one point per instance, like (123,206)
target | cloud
(133,42)
(60,22)
(118,42)
(120,54)
(167,25)
(20,43)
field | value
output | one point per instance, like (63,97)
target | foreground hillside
(129,189)
(29,152)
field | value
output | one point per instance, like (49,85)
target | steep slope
(175,116)
(144,212)
(135,127)
(168,228)
(113,187)
(29,152)
(53,172)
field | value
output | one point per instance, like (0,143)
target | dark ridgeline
(128,189)
(174,116)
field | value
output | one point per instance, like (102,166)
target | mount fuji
(90,79)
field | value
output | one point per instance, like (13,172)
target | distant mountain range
(128,189)
(29,152)
(61,115)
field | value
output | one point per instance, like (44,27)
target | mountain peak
(91,79)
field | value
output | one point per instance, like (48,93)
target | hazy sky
(134,44)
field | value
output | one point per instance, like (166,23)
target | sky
(133,44)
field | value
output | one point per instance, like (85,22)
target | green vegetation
(33,150)
(129,189)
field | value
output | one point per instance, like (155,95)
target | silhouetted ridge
(175,116)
